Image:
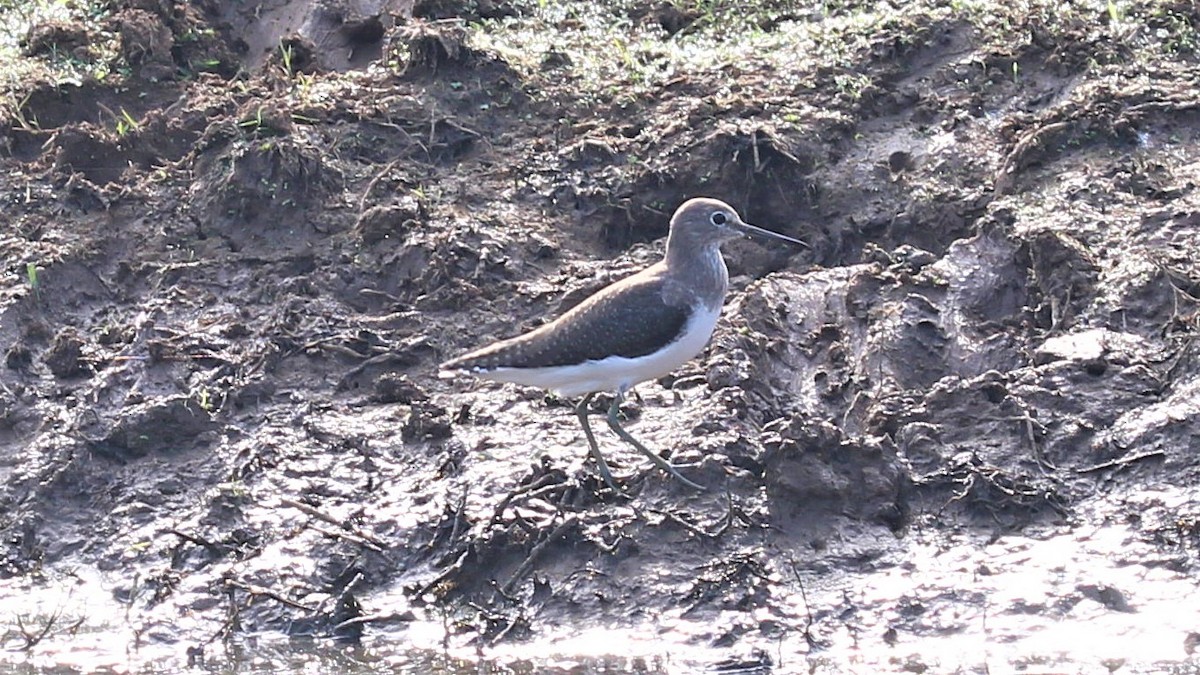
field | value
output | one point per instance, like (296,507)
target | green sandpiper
(637,329)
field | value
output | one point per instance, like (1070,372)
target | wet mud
(957,434)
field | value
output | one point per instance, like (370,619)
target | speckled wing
(629,318)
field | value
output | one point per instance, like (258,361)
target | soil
(958,433)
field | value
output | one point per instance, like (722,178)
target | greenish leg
(581,411)
(663,464)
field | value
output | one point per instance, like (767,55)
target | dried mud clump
(811,468)
(672,18)
(1062,269)
(469,10)
(56,37)
(160,426)
(65,356)
(254,178)
(174,40)
(146,42)
(18,356)
(89,151)
(296,54)
(434,49)
(388,221)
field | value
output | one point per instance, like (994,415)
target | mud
(958,434)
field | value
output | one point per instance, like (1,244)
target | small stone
(65,358)
(397,388)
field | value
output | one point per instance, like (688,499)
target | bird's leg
(581,411)
(663,464)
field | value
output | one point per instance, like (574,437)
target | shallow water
(1076,599)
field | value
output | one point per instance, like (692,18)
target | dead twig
(537,552)
(457,125)
(1016,160)
(1121,461)
(350,532)
(379,359)
(362,201)
(344,595)
(348,536)
(808,636)
(445,574)
(390,617)
(197,540)
(610,548)
(545,483)
(721,529)
(460,517)
(32,637)
(506,630)
(268,593)
(512,599)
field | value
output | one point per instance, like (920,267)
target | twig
(1015,161)
(548,480)
(199,541)
(459,516)
(538,551)
(607,547)
(32,639)
(384,358)
(365,539)
(512,623)
(512,599)
(456,566)
(266,592)
(407,134)
(726,522)
(362,201)
(391,617)
(347,536)
(808,636)
(1121,461)
(346,590)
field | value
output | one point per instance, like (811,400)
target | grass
(31,276)
(59,66)
(609,42)
(126,123)
(285,51)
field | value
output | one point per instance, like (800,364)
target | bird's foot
(673,469)
(606,473)
(614,422)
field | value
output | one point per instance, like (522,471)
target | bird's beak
(752,231)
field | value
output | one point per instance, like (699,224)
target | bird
(639,328)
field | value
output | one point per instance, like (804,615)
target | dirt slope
(958,433)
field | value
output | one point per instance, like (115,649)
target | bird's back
(630,318)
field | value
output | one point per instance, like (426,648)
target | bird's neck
(700,272)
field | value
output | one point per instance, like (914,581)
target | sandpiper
(636,329)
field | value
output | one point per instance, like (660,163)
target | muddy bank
(958,433)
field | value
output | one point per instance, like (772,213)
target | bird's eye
(719,218)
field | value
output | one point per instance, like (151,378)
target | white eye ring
(719,218)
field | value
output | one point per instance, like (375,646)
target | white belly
(617,373)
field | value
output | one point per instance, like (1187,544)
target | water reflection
(257,657)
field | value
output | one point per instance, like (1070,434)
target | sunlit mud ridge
(957,434)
